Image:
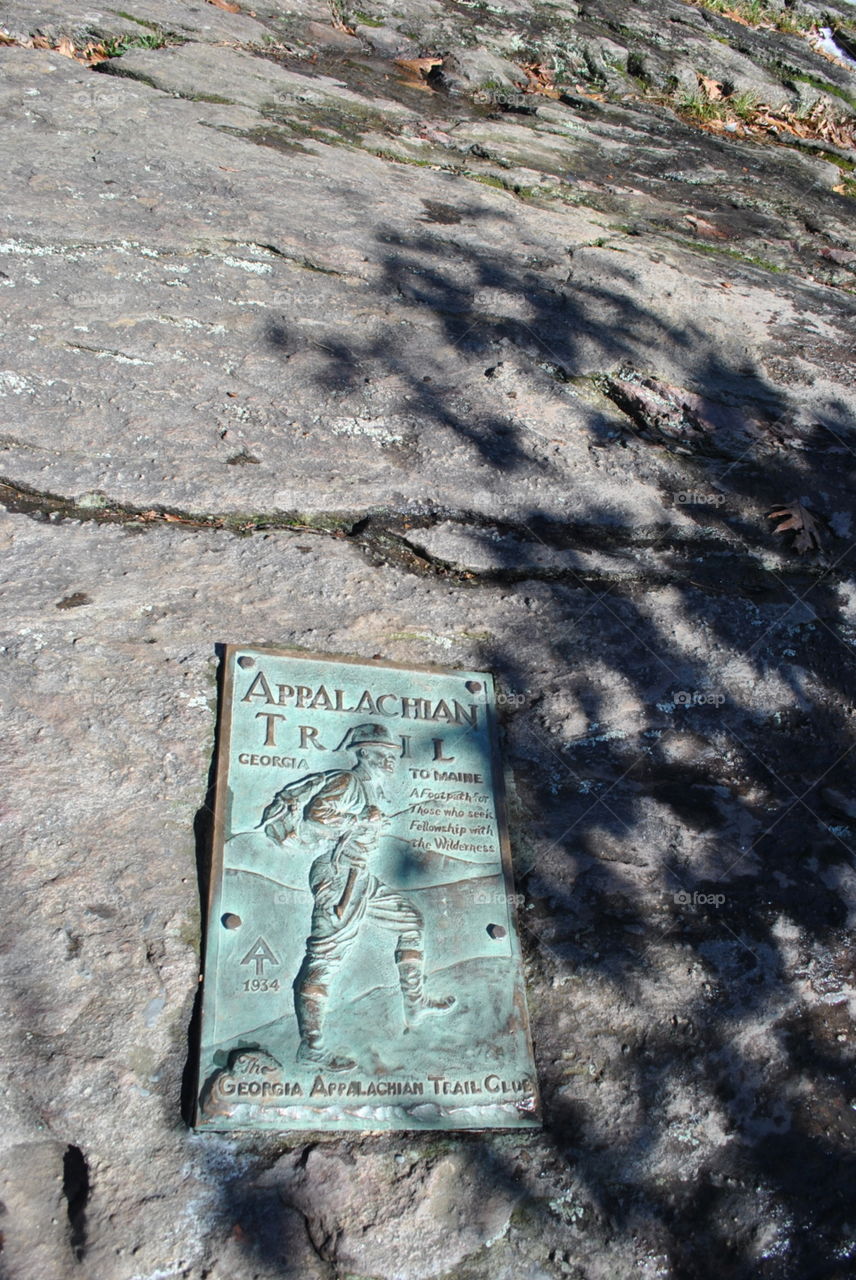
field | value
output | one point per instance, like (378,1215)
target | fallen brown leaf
(225,4)
(712,88)
(794,516)
(419,66)
(540,80)
(92,54)
(736,16)
(417,71)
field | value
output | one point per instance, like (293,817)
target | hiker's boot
(411,966)
(314,1055)
(309,1001)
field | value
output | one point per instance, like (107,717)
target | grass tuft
(115,47)
(761,13)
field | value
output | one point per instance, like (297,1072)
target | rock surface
(468,364)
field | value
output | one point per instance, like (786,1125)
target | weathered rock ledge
(499,360)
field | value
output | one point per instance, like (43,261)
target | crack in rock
(575,557)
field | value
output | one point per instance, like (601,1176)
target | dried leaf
(712,88)
(419,66)
(226,4)
(5,38)
(540,80)
(736,16)
(39,42)
(417,71)
(65,46)
(92,54)
(794,516)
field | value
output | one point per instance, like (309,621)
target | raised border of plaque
(362,963)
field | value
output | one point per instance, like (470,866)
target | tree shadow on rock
(690,864)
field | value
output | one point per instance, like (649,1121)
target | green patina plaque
(362,967)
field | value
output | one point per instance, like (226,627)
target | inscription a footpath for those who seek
(362,967)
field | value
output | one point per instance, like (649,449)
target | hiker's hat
(368,735)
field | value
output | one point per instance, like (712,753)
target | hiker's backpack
(283,818)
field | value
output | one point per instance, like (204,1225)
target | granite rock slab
(311,349)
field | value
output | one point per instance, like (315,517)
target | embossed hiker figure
(342,809)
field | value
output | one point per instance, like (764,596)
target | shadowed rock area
(480,334)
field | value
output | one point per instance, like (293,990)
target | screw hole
(496,931)
(231,921)
(246,661)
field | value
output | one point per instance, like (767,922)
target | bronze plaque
(362,966)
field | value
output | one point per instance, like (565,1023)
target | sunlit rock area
(507,336)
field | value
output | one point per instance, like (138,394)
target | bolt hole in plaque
(231,921)
(496,931)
